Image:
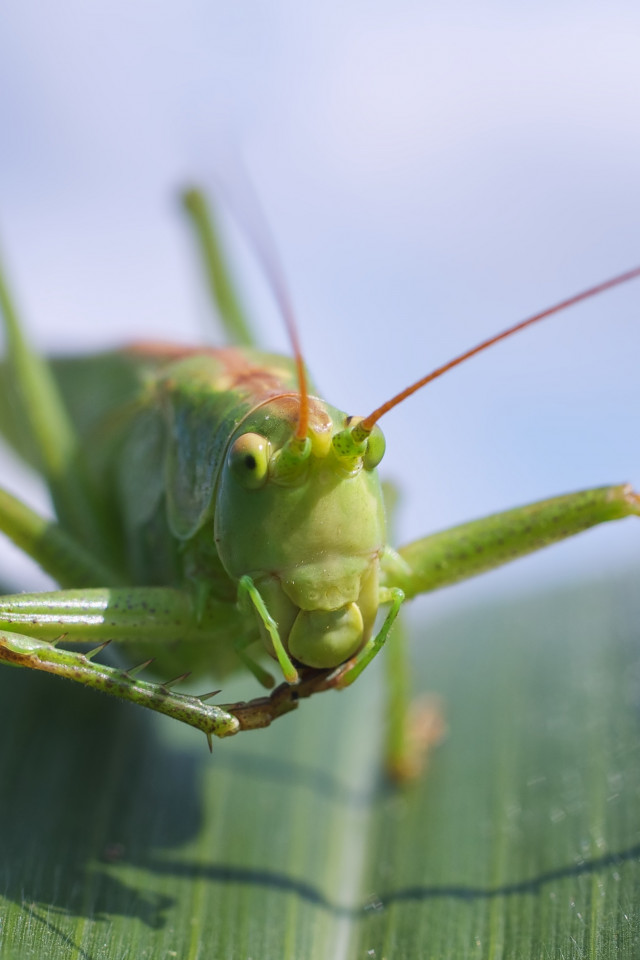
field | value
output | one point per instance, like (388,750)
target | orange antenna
(281,296)
(257,232)
(366,426)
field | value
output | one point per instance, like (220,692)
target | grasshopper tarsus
(262,711)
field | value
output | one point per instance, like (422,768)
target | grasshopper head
(304,518)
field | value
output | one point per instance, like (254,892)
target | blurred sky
(432,173)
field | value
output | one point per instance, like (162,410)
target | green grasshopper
(208,501)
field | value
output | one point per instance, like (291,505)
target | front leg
(23,651)
(149,618)
(472,548)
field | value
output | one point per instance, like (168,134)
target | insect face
(308,530)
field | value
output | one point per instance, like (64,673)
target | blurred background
(431,172)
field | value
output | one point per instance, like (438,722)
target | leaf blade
(123,838)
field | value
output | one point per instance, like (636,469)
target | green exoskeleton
(208,502)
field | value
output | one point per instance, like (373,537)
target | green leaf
(122,837)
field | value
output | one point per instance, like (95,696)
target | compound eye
(249,460)
(376,446)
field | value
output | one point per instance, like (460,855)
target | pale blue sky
(432,172)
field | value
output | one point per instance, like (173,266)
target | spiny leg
(154,616)
(23,651)
(138,615)
(151,616)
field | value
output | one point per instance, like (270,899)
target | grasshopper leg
(453,555)
(415,725)
(248,593)
(23,651)
(223,293)
(472,548)
(47,542)
(151,617)
(139,616)
(350,672)
(45,420)
(465,551)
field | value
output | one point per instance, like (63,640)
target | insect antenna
(266,253)
(256,230)
(364,427)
